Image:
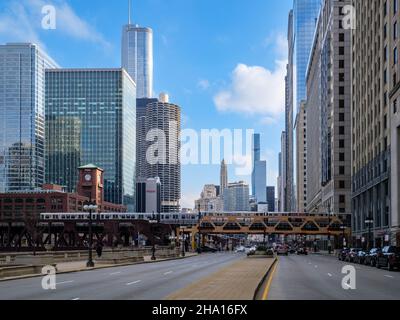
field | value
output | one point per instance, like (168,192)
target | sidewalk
(238,281)
(78,266)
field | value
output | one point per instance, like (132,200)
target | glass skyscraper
(22,116)
(91,118)
(137,57)
(305,14)
(259,175)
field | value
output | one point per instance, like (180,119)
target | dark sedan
(360,257)
(343,254)
(389,258)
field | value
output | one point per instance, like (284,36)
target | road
(319,277)
(152,281)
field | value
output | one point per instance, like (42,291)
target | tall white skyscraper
(223,177)
(22,116)
(137,57)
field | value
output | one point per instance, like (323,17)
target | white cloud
(203,84)
(22,21)
(254,91)
(268,121)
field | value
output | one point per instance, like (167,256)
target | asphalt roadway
(152,281)
(319,277)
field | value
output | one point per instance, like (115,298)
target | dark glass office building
(91,118)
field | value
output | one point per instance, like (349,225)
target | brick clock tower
(91,183)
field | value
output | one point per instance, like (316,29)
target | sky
(222,61)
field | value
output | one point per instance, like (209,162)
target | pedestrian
(99,249)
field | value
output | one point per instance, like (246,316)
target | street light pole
(90,207)
(183,242)
(199,233)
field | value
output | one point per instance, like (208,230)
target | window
(395,57)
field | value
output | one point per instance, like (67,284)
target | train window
(140,216)
(62,217)
(47,217)
(175,216)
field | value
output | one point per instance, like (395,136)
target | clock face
(88,177)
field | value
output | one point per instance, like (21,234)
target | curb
(96,268)
(264,279)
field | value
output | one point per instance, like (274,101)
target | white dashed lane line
(330,274)
(115,273)
(134,282)
(64,282)
(390,277)
(169,272)
(76,299)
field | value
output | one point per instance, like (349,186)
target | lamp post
(153,249)
(183,241)
(369,221)
(90,207)
(199,233)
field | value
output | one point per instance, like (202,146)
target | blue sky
(222,61)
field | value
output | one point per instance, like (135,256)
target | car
(292,250)
(282,250)
(302,251)
(240,249)
(343,254)
(208,249)
(360,257)
(389,257)
(352,254)
(371,256)
(249,249)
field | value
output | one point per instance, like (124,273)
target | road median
(238,281)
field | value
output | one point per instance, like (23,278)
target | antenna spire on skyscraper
(129,11)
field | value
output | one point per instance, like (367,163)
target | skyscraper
(301,147)
(305,16)
(163,121)
(141,105)
(271,198)
(91,118)
(287,158)
(237,197)
(259,174)
(137,57)
(223,177)
(22,116)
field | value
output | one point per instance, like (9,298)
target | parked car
(302,251)
(360,257)
(352,254)
(282,250)
(343,254)
(371,256)
(389,257)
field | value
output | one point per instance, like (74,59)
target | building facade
(22,116)
(209,200)
(301,158)
(259,174)
(141,105)
(223,177)
(148,195)
(305,15)
(91,118)
(137,57)
(313,127)
(288,158)
(163,125)
(28,205)
(271,199)
(237,197)
(373,74)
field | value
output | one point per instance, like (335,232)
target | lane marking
(330,274)
(134,282)
(387,276)
(76,299)
(115,273)
(169,272)
(315,266)
(268,286)
(64,282)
